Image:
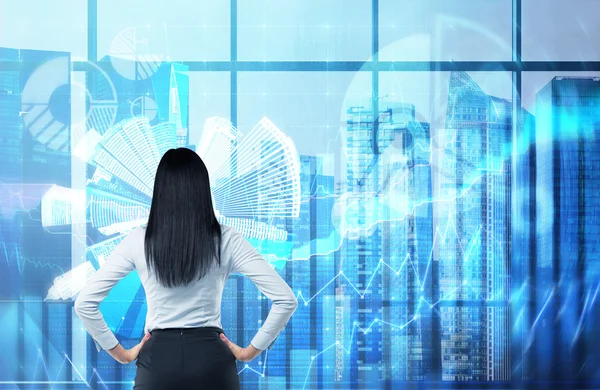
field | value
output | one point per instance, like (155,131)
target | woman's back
(199,303)
(194,308)
(192,305)
(183,258)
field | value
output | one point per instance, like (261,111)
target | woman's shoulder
(138,233)
(227,230)
(229,235)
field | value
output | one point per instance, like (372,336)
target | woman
(183,257)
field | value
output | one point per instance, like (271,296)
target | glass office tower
(474,256)
(389,250)
(567,226)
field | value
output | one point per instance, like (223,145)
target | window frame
(516,66)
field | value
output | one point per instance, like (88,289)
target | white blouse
(194,305)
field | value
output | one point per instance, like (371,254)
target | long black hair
(183,236)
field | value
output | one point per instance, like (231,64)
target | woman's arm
(118,265)
(247,261)
(125,356)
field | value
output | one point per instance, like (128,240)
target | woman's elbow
(292,303)
(82,306)
(289,303)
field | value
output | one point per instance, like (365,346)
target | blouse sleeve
(117,265)
(247,261)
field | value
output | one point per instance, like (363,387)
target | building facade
(474,257)
(567,212)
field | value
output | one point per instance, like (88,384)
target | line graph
(369,225)
(53,381)
(13,255)
(407,265)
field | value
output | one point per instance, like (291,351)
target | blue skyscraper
(311,329)
(567,221)
(474,255)
(406,243)
(389,246)
(361,251)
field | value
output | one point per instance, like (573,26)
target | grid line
(357,66)
(515,65)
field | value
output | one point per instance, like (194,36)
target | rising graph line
(371,225)
(366,330)
(341,274)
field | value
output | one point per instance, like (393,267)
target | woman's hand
(125,356)
(243,354)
